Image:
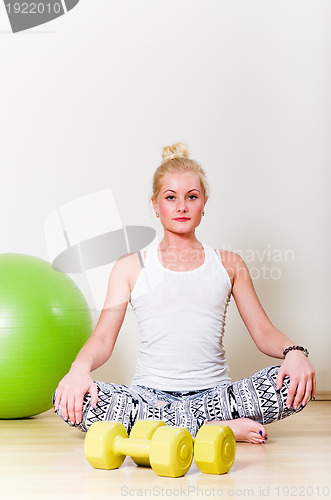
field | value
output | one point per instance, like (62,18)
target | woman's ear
(154,204)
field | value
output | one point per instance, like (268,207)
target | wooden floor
(43,458)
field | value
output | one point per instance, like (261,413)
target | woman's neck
(178,243)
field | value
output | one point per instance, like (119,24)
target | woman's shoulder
(131,264)
(231,262)
(229,256)
(129,261)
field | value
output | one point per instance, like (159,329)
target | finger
(71,407)
(301,389)
(280,378)
(314,386)
(57,399)
(93,391)
(78,409)
(291,393)
(64,408)
(308,393)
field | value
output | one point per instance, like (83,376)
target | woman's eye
(172,197)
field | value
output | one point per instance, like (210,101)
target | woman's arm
(98,348)
(269,339)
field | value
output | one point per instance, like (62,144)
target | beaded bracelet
(294,347)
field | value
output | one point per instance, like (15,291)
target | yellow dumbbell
(144,429)
(168,450)
(214,449)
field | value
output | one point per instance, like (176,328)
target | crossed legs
(244,405)
(252,402)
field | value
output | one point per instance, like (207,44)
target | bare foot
(244,429)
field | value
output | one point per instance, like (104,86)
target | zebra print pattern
(255,397)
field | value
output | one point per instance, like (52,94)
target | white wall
(89,100)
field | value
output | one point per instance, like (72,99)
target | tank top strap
(145,257)
(218,253)
(142,258)
(218,257)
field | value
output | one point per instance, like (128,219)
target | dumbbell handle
(133,447)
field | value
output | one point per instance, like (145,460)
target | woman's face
(180,202)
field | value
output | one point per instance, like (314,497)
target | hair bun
(178,150)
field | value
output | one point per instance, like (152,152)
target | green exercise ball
(44,321)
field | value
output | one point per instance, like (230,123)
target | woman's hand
(71,391)
(302,378)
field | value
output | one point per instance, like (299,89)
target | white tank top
(181,319)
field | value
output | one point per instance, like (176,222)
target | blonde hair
(175,158)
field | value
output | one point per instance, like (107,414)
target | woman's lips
(182,219)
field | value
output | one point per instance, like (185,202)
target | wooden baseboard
(323,396)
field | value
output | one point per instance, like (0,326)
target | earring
(157,215)
(203,213)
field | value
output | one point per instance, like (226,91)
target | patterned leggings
(255,397)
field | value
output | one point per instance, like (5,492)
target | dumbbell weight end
(214,449)
(98,445)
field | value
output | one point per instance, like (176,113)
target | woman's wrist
(295,348)
(80,366)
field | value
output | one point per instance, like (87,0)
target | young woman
(180,290)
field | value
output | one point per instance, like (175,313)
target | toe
(263,433)
(256,439)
